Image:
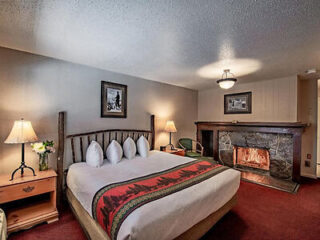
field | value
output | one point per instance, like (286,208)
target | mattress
(167,217)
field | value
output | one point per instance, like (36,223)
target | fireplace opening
(251,157)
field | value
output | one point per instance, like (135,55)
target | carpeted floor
(261,213)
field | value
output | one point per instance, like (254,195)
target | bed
(185,214)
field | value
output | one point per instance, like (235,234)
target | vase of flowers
(43,149)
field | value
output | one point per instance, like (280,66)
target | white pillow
(129,148)
(114,152)
(94,155)
(143,146)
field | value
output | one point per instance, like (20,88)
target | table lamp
(22,132)
(170,128)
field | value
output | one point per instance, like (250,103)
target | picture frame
(113,100)
(238,103)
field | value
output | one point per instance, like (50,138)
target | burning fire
(251,157)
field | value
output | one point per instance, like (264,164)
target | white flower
(38,147)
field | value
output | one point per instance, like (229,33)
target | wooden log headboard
(80,141)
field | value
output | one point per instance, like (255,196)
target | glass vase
(43,162)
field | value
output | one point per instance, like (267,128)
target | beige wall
(318,132)
(308,95)
(272,101)
(37,88)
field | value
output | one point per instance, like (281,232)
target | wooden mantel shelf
(256,124)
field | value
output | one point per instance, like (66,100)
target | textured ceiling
(170,41)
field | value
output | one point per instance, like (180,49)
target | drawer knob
(28,189)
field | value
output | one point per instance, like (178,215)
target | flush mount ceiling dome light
(227,82)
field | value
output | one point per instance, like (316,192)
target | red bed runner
(113,203)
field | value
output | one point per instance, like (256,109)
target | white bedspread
(165,218)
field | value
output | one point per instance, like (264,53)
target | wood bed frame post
(61,137)
(152,132)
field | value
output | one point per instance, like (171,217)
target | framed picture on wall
(113,100)
(238,103)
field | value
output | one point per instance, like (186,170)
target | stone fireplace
(258,151)
(257,158)
(271,148)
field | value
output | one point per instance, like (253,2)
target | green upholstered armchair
(191,149)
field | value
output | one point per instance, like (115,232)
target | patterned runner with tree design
(113,203)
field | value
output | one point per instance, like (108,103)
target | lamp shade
(170,127)
(22,132)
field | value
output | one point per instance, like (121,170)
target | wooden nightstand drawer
(28,189)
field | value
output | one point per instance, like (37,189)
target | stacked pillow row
(94,155)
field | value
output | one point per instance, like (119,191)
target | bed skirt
(93,230)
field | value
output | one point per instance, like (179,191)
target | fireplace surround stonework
(282,140)
(280,147)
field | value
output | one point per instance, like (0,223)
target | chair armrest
(201,147)
(182,146)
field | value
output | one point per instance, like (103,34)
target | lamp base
(171,146)
(22,167)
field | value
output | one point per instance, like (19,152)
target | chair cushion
(186,143)
(193,154)
(209,159)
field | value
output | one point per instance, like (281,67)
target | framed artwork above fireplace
(238,103)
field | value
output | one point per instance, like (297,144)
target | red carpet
(261,213)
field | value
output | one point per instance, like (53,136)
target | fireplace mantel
(293,128)
(256,124)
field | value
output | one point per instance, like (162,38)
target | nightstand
(176,151)
(29,200)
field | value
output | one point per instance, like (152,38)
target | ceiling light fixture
(227,82)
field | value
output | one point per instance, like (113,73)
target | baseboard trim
(308,175)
